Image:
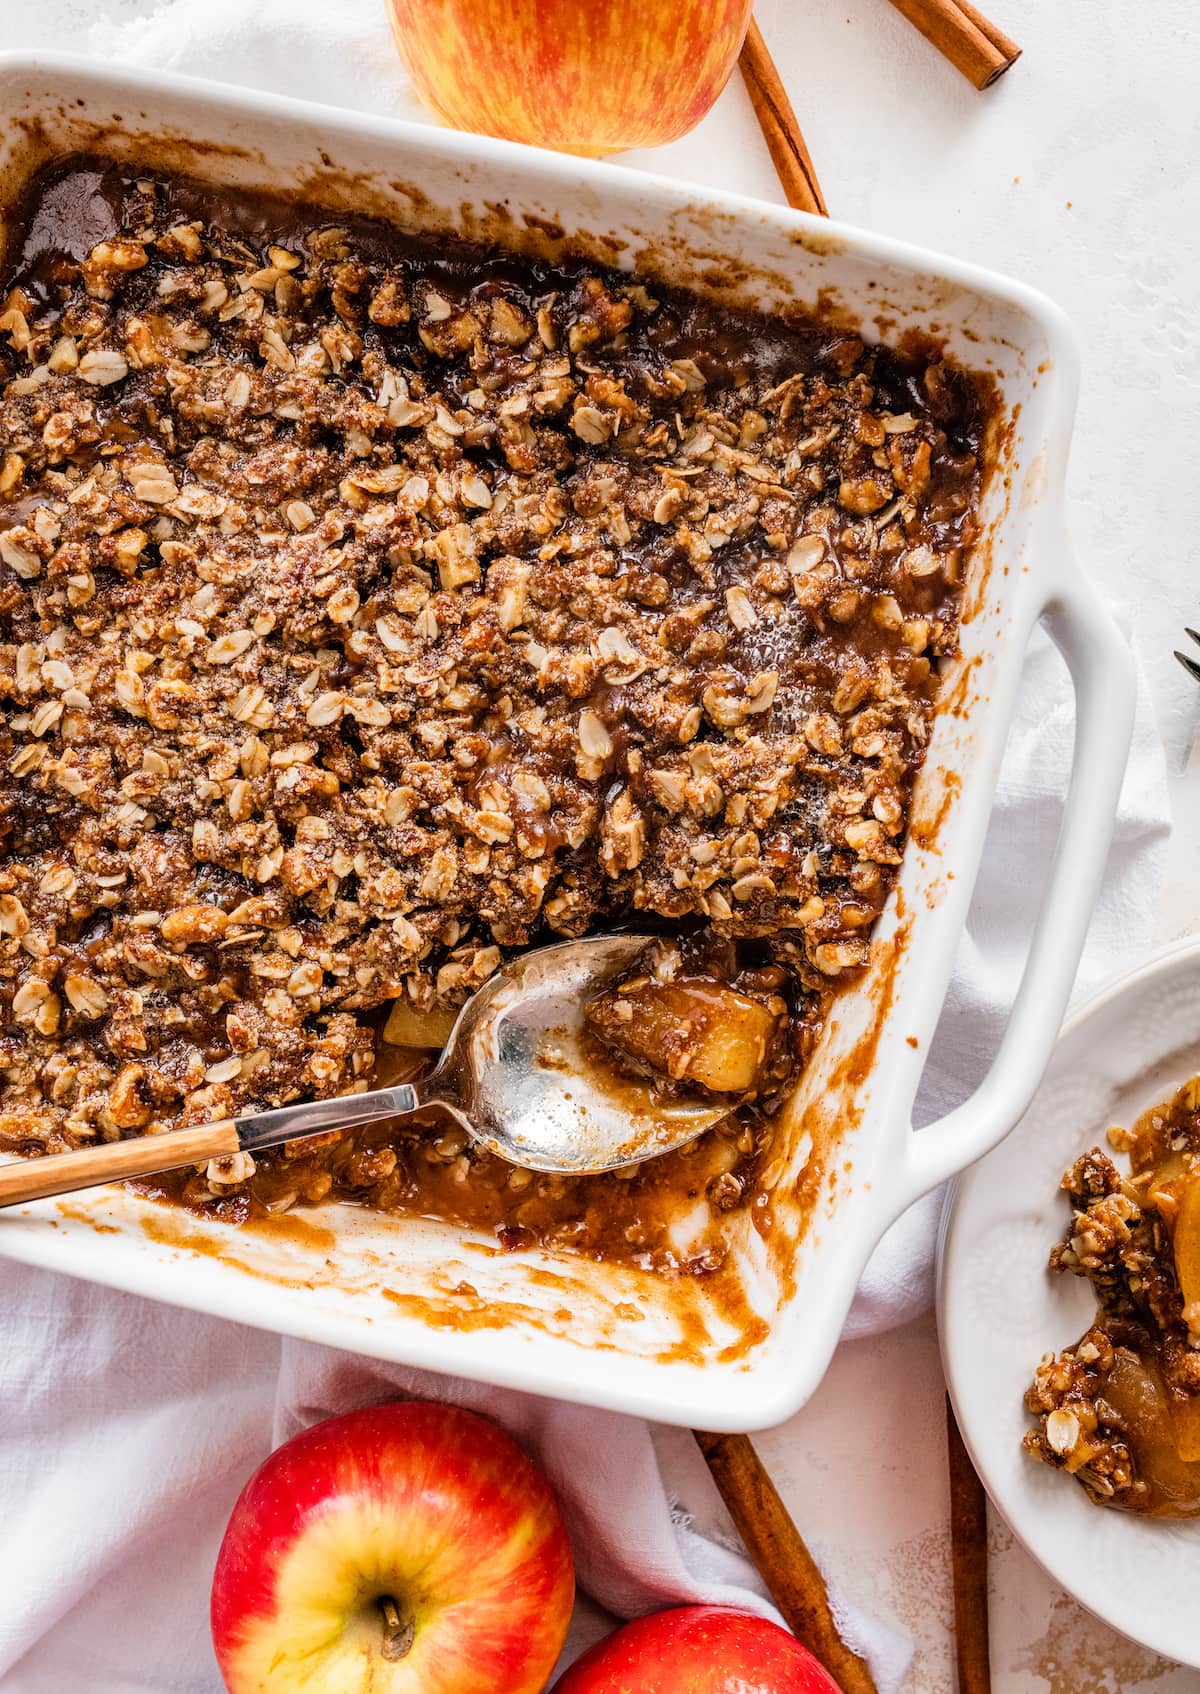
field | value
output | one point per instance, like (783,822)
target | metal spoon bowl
(524,1079)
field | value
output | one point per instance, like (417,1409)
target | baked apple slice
(694,1031)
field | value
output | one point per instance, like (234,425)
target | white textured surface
(1078,173)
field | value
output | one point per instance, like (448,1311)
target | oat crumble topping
(370,609)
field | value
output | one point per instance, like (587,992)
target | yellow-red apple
(583,76)
(698,1650)
(404,1549)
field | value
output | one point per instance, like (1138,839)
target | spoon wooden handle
(35,1179)
(783,1561)
(62,1173)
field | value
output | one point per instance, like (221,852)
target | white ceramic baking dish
(744,1349)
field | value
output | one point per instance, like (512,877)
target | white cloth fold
(127,1429)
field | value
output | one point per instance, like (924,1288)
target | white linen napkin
(127,1429)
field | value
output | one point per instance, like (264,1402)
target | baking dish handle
(1104,680)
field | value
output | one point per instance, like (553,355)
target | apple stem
(397,1634)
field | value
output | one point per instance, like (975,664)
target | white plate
(999,1308)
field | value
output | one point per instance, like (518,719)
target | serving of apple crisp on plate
(372,608)
(1120,1410)
(1068,1298)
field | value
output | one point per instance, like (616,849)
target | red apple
(698,1650)
(584,76)
(405,1549)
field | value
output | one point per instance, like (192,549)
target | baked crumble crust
(369,611)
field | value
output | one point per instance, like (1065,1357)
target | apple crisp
(372,608)
(1120,1410)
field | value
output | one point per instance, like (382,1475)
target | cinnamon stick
(968,1553)
(962,34)
(781,132)
(780,1556)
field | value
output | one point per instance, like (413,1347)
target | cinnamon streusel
(371,609)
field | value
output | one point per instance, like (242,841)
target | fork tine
(1195,634)
(1189,665)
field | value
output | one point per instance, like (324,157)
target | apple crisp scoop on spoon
(521,1072)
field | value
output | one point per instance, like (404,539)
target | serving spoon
(516,1073)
